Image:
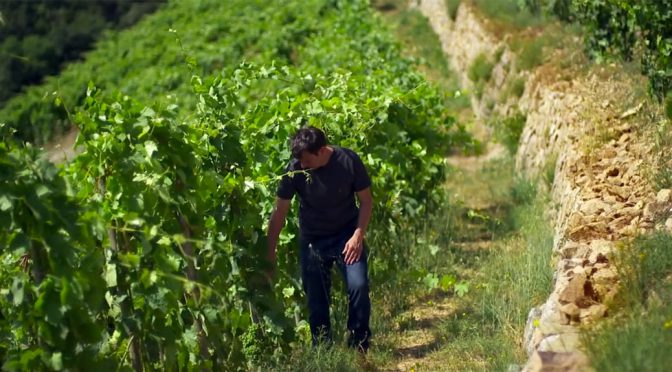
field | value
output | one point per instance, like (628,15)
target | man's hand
(354,248)
(272,262)
(274,227)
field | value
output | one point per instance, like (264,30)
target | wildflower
(667,325)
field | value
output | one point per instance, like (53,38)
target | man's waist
(313,233)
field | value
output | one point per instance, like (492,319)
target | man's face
(309,160)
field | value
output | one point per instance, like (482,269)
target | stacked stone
(603,199)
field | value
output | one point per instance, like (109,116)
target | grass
(508,130)
(548,172)
(662,177)
(514,88)
(508,14)
(660,124)
(480,73)
(484,331)
(531,54)
(480,69)
(633,338)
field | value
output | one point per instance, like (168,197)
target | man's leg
(359,305)
(316,276)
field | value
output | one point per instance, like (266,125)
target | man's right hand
(274,227)
(271,260)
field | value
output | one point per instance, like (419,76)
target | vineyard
(147,250)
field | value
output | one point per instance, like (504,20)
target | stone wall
(465,39)
(600,196)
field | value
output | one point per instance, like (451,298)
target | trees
(38,37)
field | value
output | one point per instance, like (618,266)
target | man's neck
(327,156)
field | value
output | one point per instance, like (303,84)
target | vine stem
(192,275)
(126,310)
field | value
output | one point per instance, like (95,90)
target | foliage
(480,72)
(38,37)
(165,213)
(423,45)
(145,61)
(532,54)
(51,287)
(626,29)
(510,13)
(662,178)
(481,69)
(508,130)
(514,88)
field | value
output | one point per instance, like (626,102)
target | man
(332,229)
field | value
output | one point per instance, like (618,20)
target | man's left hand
(353,248)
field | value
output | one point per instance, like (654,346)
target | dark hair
(309,139)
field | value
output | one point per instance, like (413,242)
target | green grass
(662,176)
(532,54)
(633,338)
(484,332)
(508,130)
(514,88)
(548,172)
(509,13)
(480,69)
(480,73)
(415,32)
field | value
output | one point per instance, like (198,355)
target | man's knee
(358,284)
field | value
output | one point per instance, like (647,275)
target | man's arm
(355,246)
(275,226)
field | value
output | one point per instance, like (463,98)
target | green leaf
(150,148)
(288,291)
(111,275)
(17,291)
(5,203)
(129,259)
(461,289)
(431,280)
(447,281)
(165,241)
(56,361)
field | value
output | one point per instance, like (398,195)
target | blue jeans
(318,255)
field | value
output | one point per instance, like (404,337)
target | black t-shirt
(327,199)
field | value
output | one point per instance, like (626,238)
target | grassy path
(424,334)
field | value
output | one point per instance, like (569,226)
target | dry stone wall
(603,198)
(574,129)
(464,39)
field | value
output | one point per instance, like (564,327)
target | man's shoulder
(346,153)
